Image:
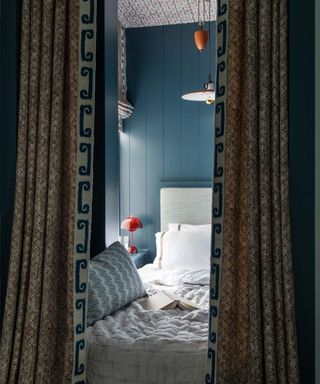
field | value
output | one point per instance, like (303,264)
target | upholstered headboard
(185,205)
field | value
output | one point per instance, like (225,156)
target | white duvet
(136,346)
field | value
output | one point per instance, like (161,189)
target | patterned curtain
(252,334)
(42,338)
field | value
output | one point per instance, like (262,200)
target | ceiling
(147,13)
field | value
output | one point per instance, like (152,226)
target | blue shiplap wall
(166,139)
(105,204)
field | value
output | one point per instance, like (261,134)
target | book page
(182,302)
(166,300)
(158,301)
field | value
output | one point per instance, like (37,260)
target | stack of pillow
(184,246)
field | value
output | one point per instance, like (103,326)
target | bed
(158,347)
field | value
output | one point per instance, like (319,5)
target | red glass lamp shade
(131,224)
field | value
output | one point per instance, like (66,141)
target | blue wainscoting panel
(166,139)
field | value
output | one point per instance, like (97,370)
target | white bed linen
(135,346)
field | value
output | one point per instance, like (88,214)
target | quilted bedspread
(135,346)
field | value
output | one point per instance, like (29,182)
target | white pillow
(189,227)
(183,250)
(157,260)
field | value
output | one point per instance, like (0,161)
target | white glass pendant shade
(206,94)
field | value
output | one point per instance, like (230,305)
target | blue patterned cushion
(113,282)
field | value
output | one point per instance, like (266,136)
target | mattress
(135,346)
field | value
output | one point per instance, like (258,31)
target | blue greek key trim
(79,367)
(88,19)
(222,8)
(86,34)
(222,28)
(212,314)
(87,93)
(83,210)
(83,186)
(218,170)
(220,88)
(83,247)
(219,129)
(215,251)
(85,110)
(81,305)
(218,190)
(215,279)
(217,210)
(80,264)
(85,169)
(210,378)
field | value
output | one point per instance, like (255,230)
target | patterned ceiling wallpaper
(147,13)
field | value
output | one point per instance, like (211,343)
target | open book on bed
(166,300)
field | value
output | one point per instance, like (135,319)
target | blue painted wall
(302,162)
(105,204)
(166,139)
(9,73)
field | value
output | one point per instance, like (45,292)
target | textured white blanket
(135,346)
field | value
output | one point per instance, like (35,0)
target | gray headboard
(185,205)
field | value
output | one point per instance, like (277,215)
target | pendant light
(206,94)
(201,36)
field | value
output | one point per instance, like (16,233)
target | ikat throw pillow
(113,282)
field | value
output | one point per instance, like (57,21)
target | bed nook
(149,291)
(136,345)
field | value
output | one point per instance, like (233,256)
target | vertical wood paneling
(172,102)
(166,138)
(206,119)
(137,84)
(155,120)
(189,110)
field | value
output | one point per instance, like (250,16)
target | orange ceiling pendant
(201,35)
(201,38)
